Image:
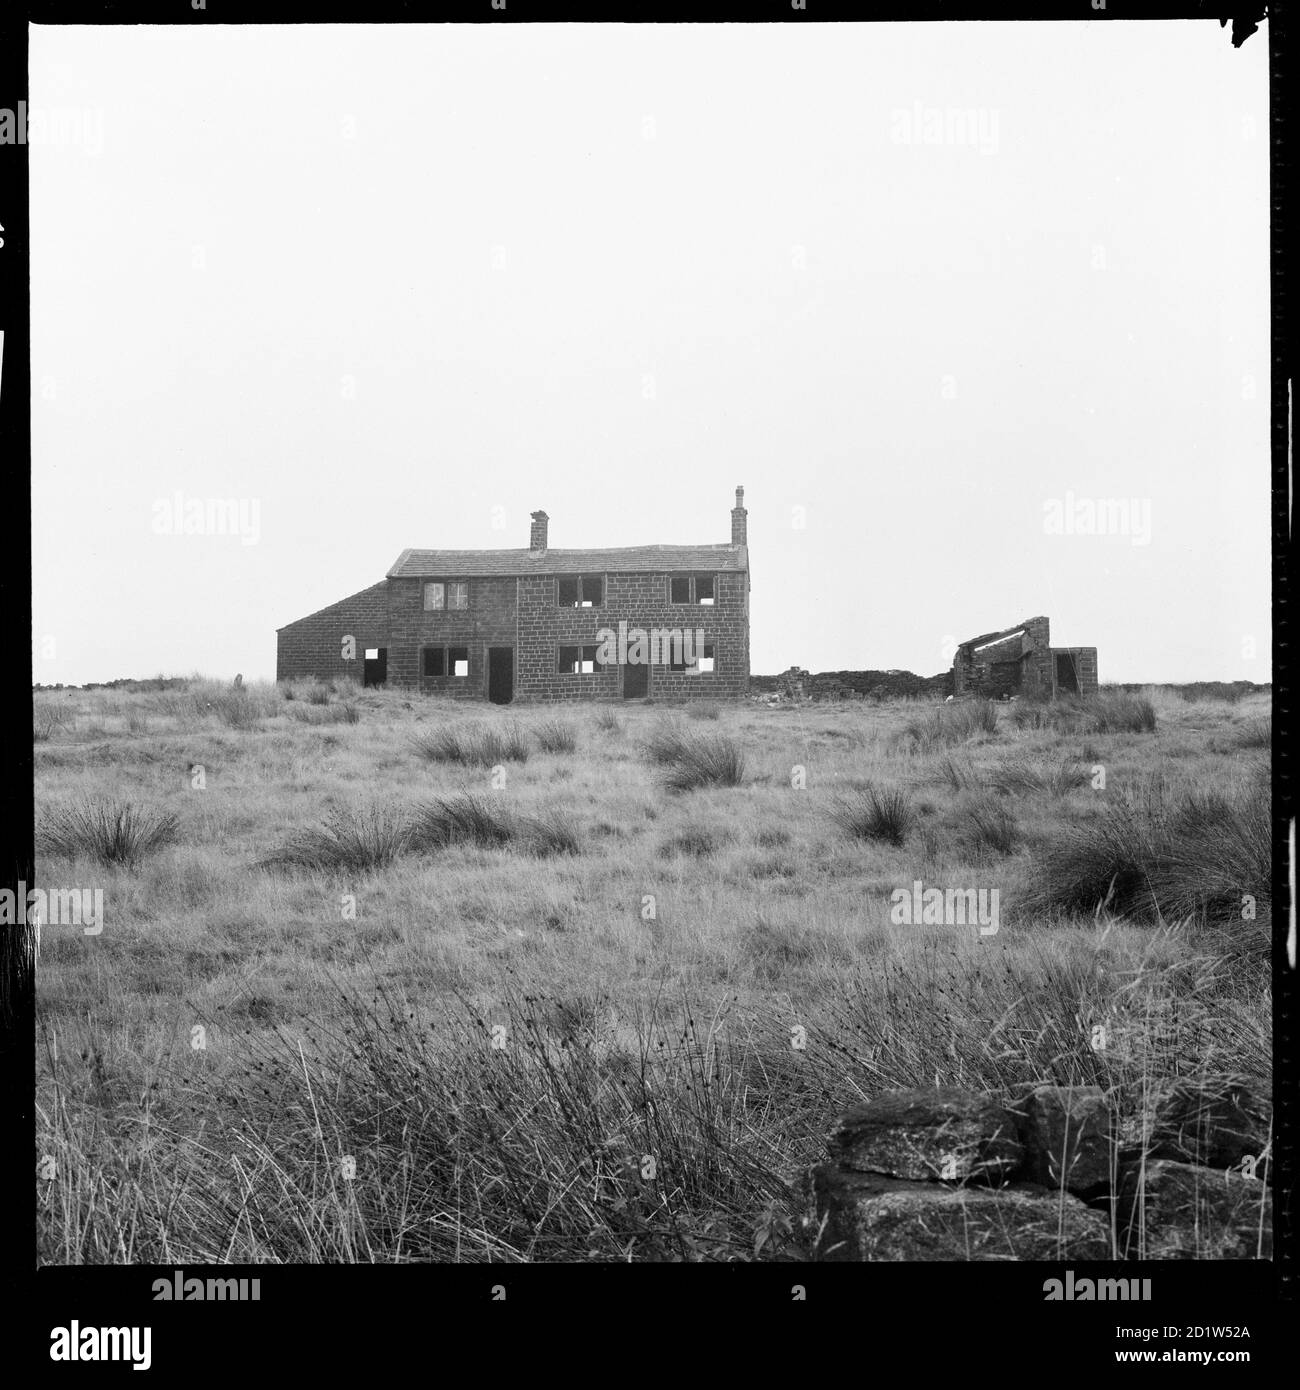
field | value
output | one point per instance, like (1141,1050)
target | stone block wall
(489,621)
(313,646)
(523,613)
(640,600)
(1053,1172)
(1084,660)
(1020,662)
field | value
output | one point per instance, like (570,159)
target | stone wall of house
(640,600)
(1182,1171)
(489,621)
(523,613)
(313,646)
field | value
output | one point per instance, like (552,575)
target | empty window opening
(698,589)
(579,591)
(435,661)
(458,660)
(440,595)
(701,662)
(580,661)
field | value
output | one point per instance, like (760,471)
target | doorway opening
(636,681)
(501,675)
(376,667)
(1067,675)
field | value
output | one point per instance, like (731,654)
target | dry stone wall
(1052,1172)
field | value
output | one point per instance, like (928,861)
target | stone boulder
(1180,1211)
(1068,1137)
(1214,1121)
(944,1134)
(857,1216)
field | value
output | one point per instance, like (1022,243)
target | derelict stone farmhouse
(542,624)
(1021,661)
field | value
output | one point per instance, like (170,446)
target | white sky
(374,283)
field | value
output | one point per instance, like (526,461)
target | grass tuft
(873,814)
(462,819)
(472,745)
(356,841)
(691,761)
(555,736)
(113,832)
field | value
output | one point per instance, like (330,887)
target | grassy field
(387,978)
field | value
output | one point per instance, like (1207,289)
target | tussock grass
(555,736)
(1110,712)
(553,832)
(459,1148)
(1020,776)
(1253,733)
(110,831)
(465,818)
(874,814)
(241,708)
(356,841)
(1162,856)
(344,713)
(607,721)
(473,745)
(992,827)
(950,724)
(690,761)
(958,773)
(702,710)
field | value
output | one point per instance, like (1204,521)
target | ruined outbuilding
(1021,662)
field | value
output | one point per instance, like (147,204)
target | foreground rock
(871,1217)
(1068,1137)
(1217,1122)
(1181,1211)
(947,1135)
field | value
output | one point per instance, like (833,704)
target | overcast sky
(930,292)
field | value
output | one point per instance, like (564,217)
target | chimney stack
(537,532)
(739,531)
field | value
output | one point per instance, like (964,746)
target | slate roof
(632,559)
